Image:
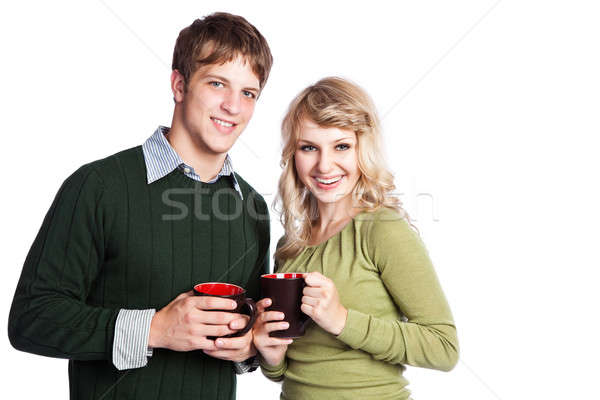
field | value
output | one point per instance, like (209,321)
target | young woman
(371,289)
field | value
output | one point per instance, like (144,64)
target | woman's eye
(308,147)
(216,84)
(342,146)
(248,94)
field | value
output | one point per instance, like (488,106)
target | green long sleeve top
(397,315)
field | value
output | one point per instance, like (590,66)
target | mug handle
(252,307)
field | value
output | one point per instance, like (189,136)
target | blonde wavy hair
(339,103)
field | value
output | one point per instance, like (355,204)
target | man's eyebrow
(222,78)
(253,89)
(219,77)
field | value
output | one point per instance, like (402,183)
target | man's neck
(205,163)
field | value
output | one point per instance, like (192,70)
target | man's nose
(231,102)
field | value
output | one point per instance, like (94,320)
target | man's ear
(177,86)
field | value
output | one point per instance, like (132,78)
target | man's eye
(342,146)
(216,84)
(308,147)
(248,94)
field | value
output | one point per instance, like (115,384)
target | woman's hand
(272,350)
(321,302)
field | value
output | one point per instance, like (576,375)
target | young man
(132,233)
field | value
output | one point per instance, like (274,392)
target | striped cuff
(248,365)
(130,345)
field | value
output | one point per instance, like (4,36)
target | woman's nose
(325,162)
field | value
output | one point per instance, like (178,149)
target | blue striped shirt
(161,159)
(132,328)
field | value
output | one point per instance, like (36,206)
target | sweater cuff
(355,331)
(130,346)
(273,372)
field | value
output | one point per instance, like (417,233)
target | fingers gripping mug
(245,305)
(285,292)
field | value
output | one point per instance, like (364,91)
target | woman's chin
(329,197)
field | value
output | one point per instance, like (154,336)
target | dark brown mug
(229,291)
(285,292)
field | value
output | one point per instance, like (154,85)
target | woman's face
(326,161)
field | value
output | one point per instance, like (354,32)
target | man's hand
(235,349)
(184,323)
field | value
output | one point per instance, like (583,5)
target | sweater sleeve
(274,372)
(49,315)
(427,335)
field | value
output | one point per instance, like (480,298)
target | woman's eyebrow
(335,141)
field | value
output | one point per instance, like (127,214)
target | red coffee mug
(233,292)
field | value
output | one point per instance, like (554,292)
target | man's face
(219,103)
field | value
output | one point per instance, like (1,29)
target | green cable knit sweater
(112,241)
(397,314)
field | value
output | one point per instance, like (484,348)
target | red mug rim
(223,289)
(284,275)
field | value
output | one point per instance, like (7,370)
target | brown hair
(219,38)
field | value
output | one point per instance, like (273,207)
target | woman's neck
(336,213)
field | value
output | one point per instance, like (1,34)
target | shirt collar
(161,159)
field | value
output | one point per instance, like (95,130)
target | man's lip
(224,120)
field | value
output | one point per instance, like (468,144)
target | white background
(490,110)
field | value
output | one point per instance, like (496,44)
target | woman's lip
(328,177)
(330,186)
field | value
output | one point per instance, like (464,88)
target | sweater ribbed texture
(111,241)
